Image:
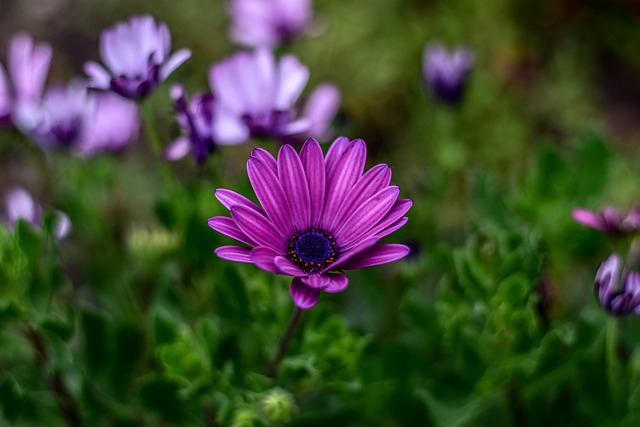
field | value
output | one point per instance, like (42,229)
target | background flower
(20,205)
(446,72)
(618,292)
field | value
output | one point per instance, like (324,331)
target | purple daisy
(136,55)
(28,68)
(618,293)
(608,220)
(446,72)
(257,23)
(20,205)
(319,216)
(257,96)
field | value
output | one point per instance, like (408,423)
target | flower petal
(264,258)
(98,76)
(230,198)
(339,282)
(335,150)
(292,78)
(228,227)
(257,228)
(294,184)
(313,163)
(285,266)
(173,62)
(271,195)
(320,108)
(178,149)
(341,178)
(303,296)
(376,178)
(234,253)
(316,281)
(367,215)
(362,245)
(266,157)
(376,255)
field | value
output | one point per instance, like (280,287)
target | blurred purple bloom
(28,68)
(255,96)
(196,119)
(618,293)
(446,72)
(85,122)
(319,216)
(19,205)
(270,23)
(136,55)
(608,220)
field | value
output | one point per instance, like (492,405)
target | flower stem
(612,363)
(149,129)
(284,343)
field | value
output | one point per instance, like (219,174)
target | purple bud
(445,72)
(618,293)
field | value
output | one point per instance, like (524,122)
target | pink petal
(228,227)
(230,198)
(178,149)
(339,282)
(303,296)
(264,258)
(588,218)
(376,255)
(367,215)
(335,150)
(285,266)
(316,281)
(348,168)
(265,157)
(294,183)
(257,228)
(313,163)
(234,253)
(267,187)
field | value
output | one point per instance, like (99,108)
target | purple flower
(255,96)
(19,205)
(618,293)
(136,55)
(269,23)
(608,220)
(86,122)
(446,73)
(319,216)
(28,68)
(196,119)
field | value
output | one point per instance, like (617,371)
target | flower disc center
(312,250)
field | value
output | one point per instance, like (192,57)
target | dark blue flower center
(312,250)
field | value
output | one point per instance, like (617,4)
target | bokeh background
(491,320)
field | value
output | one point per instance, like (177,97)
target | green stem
(613,364)
(284,343)
(149,128)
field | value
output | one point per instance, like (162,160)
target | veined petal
(267,187)
(228,227)
(313,163)
(285,266)
(294,183)
(342,177)
(367,215)
(230,198)
(316,281)
(362,245)
(335,150)
(234,253)
(374,180)
(257,228)
(339,282)
(376,255)
(392,221)
(264,258)
(265,157)
(303,296)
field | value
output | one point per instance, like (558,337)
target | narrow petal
(98,76)
(342,177)
(294,183)
(285,266)
(267,187)
(265,157)
(234,253)
(61,226)
(292,79)
(174,61)
(320,108)
(376,255)
(316,281)
(367,215)
(362,245)
(376,178)
(392,221)
(228,227)
(264,258)
(588,218)
(257,228)
(177,149)
(228,128)
(335,150)
(313,163)
(303,296)
(230,198)
(339,282)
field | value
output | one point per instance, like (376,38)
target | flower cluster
(609,220)
(318,216)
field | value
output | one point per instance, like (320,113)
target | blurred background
(490,321)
